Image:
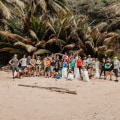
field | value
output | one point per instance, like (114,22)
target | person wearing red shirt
(79,63)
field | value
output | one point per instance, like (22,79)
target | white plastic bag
(97,75)
(77,73)
(64,72)
(70,76)
(85,76)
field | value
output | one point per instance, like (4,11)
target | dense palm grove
(49,26)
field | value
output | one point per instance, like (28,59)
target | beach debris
(56,89)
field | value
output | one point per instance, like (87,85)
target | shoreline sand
(95,100)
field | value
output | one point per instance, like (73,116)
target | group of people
(53,66)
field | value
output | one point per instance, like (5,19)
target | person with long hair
(38,66)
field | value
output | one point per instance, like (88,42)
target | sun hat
(115,57)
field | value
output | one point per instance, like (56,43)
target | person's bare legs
(39,70)
(106,74)
(33,73)
(36,70)
(110,75)
(28,72)
(13,74)
(45,74)
(18,74)
(48,74)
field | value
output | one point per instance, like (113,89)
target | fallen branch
(62,90)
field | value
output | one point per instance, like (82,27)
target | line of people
(53,66)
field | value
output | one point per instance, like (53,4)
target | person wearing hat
(14,62)
(116,67)
(38,66)
(108,68)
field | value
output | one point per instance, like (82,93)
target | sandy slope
(96,100)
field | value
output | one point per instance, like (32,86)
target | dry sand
(95,100)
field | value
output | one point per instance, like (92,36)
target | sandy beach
(95,100)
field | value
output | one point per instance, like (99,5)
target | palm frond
(4,11)
(41,51)
(56,41)
(29,48)
(69,46)
(33,35)
(11,35)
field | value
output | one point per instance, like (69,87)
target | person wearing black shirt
(102,68)
(53,57)
(108,68)
(56,71)
(57,61)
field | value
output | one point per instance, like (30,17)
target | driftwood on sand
(56,89)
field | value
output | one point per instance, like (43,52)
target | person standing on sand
(116,67)
(28,65)
(38,66)
(53,57)
(14,62)
(47,68)
(102,68)
(23,62)
(108,68)
(32,68)
(79,64)
(72,63)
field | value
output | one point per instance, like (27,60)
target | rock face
(96,9)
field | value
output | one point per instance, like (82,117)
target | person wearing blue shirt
(64,64)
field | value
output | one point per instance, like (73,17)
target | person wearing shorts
(28,65)
(32,63)
(47,68)
(108,68)
(14,62)
(23,62)
(79,63)
(38,66)
(72,63)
